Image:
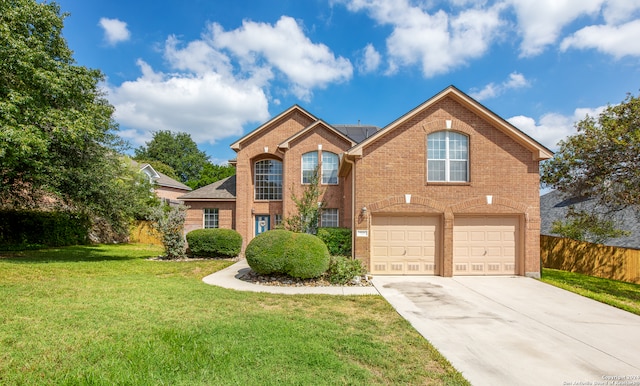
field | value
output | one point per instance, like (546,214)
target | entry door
(262,224)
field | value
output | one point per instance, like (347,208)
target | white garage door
(403,245)
(484,245)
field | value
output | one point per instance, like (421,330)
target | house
(449,188)
(166,188)
(555,206)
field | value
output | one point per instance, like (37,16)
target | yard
(107,315)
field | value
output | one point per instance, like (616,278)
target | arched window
(329,168)
(447,157)
(268,180)
(309,165)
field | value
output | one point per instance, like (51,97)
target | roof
(555,205)
(160,179)
(539,151)
(223,190)
(311,127)
(357,133)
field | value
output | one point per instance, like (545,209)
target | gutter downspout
(353,205)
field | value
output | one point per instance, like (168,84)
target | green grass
(613,292)
(103,315)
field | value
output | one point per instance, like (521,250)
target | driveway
(519,331)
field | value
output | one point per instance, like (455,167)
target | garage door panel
(403,245)
(484,245)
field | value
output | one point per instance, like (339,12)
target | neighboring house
(450,188)
(555,205)
(166,188)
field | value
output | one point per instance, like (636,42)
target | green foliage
(177,150)
(168,221)
(29,229)
(583,226)
(265,254)
(308,207)
(338,240)
(307,256)
(58,142)
(601,160)
(342,269)
(298,255)
(210,174)
(217,242)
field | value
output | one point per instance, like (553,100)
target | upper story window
(268,180)
(329,170)
(447,157)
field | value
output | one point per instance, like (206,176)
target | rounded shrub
(307,256)
(214,242)
(266,252)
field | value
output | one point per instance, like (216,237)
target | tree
(309,207)
(600,161)
(210,174)
(587,226)
(58,139)
(168,221)
(177,150)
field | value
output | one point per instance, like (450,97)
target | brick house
(450,188)
(165,188)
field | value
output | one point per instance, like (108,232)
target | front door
(262,223)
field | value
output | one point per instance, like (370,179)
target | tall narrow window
(309,166)
(268,180)
(329,168)
(447,157)
(210,218)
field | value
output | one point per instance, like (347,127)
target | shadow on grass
(80,253)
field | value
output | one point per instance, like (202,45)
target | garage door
(484,245)
(403,245)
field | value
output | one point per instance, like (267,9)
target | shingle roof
(224,189)
(357,133)
(555,205)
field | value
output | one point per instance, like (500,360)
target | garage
(485,245)
(404,245)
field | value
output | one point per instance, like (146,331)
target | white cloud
(515,81)
(438,41)
(553,127)
(115,31)
(371,59)
(617,41)
(284,46)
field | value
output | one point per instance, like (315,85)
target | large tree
(58,139)
(177,150)
(601,161)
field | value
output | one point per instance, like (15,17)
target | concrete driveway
(519,331)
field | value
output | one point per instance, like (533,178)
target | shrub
(30,229)
(169,222)
(338,240)
(266,252)
(298,255)
(342,269)
(216,242)
(306,256)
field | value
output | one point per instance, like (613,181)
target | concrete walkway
(228,278)
(519,331)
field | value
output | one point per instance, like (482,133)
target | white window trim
(447,159)
(204,218)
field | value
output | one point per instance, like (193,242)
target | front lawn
(107,315)
(613,292)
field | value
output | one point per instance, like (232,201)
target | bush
(29,229)
(298,255)
(306,256)
(266,252)
(216,242)
(168,221)
(338,240)
(342,269)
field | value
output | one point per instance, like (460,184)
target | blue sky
(218,69)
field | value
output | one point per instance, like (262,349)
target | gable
(320,129)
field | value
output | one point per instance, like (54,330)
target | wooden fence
(590,259)
(142,233)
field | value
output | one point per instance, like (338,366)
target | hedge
(214,242)
(338,240)
(36,229)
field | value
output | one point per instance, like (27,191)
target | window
(278,220)
(268,180)
(329,218)
(329,168)
(309,165)
(210,218)
(447,157)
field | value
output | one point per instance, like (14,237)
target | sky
(219,69)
